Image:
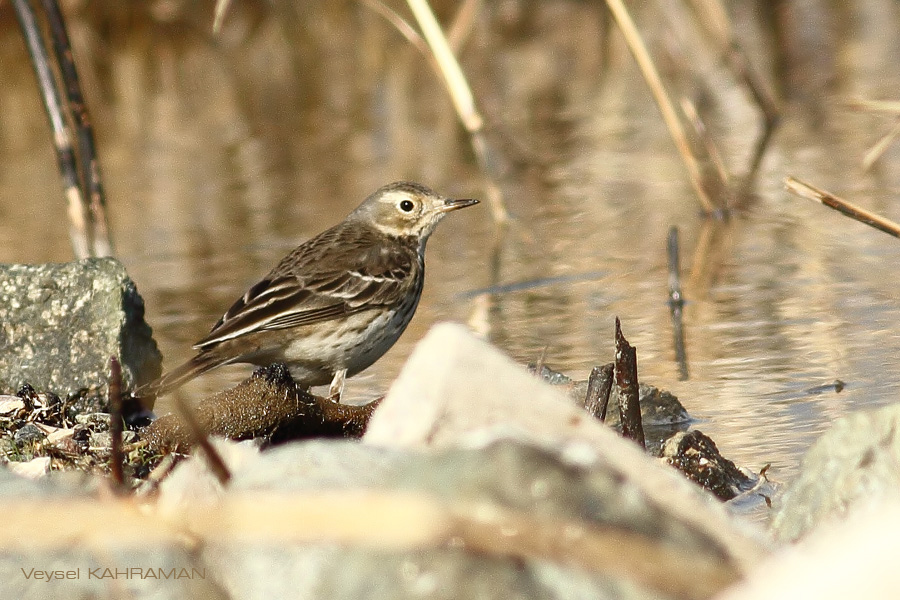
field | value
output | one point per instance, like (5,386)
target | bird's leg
(336,389)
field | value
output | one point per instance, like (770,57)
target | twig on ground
(201,439)
(857,213)
(596,399)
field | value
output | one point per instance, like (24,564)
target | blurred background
(222,152)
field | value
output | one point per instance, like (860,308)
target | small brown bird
(334,305)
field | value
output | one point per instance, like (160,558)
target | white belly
(315,357)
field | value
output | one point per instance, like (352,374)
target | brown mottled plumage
(337,303)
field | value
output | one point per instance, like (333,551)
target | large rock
(456,390)
(343,520)
(854,463)
(60,323)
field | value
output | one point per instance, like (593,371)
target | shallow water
(220,155)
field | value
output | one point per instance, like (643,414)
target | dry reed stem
(875,152)
(651,76)
(885,106)
(890,107)
(715,20)
(857,213)
(404,28)
(91,184)
(460,94)
(459,89)
(78,210)
(219,14)
(201,439)
(690,111)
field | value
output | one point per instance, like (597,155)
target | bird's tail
(180,375)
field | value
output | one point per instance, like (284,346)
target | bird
(336,303)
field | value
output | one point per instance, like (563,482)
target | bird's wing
(311,286)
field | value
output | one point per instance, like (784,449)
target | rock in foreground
(851,465)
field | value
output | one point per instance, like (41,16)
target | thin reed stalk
(461,95)
(651,76)
(78,209)
(857,213)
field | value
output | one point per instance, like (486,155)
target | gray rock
(60,323)
(507,472)
(448,573)
(28,434)
(464,485)
(855,462)
(456,389)
(658,407)
(325,464)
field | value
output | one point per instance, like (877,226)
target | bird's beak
(451,204)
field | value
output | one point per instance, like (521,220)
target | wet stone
(659,408)
(697,456)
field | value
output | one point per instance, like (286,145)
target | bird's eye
(406,205)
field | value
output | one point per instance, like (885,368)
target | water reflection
(222,154)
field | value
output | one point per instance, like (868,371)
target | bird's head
(404,208)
